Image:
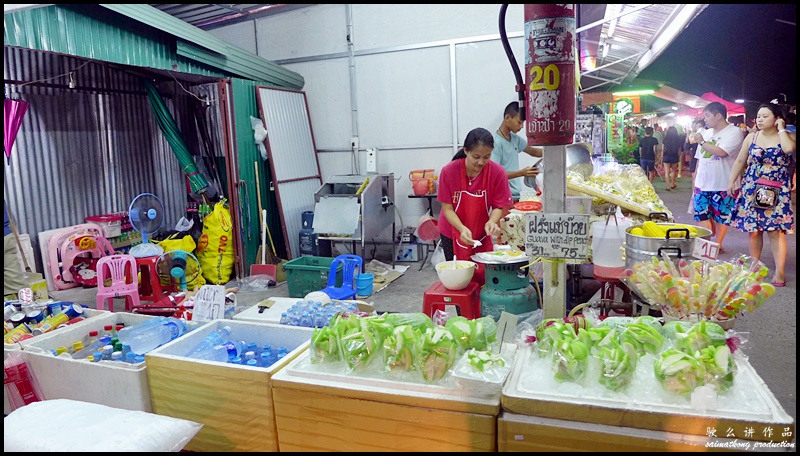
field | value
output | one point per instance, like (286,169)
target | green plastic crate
(309,273)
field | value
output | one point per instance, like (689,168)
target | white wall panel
(404,98)
(378,26)
(315,30)
(328,92)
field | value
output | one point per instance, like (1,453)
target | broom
(270,262)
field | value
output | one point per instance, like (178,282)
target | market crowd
(743,176)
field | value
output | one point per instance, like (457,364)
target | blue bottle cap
(252,363)
(73,310)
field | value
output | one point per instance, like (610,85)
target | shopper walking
(474,193)
(765,199)
(673,143)
(647,153)
(717,148)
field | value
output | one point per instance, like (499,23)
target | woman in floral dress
(763,165)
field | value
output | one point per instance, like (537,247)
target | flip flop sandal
(775,283)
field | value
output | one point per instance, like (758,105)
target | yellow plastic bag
(215,248)
(186,244)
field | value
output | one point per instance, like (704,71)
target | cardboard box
(111,383)
(409,252)
(346,412)
(520,433)
(528,392)
(234,402)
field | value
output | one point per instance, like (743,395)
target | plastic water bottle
(95,346)
(284,319)
(125,334)
(253,347)
(116,356)
(218,337)
(154,336)
(130,357)
(221,353)
(265,360)
(138,359)
(96,357)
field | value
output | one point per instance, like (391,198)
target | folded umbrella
(13,112)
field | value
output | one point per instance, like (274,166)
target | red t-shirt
(492,179)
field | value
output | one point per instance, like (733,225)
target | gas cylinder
(308,240)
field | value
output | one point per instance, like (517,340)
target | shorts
(670,158)
(714,206)
(647,165)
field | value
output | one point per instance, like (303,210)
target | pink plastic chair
(122,271)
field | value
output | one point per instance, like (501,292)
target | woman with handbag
(765,200)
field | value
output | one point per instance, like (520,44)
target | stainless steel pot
(641,248)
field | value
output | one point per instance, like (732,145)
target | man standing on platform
(717,148)
(507,147)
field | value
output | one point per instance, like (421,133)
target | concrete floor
(770,331)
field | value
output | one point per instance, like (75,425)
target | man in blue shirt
(508,145)
(13,277)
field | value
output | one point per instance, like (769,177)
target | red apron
(473,211)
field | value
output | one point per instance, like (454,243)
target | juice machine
(355,208)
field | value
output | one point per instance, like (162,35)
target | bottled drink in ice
(218,337)
(154,336)
(221,353)
(95,346)
(125,334)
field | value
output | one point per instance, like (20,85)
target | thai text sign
(557,235)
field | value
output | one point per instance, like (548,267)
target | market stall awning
(618,41)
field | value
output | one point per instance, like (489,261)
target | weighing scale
(507,288)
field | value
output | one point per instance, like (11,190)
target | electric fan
(178,265)
(146,215)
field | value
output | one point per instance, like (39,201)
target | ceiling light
(739,100)
(634,92)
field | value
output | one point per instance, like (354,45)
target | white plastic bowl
(455,279)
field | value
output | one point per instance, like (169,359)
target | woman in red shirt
(474,192)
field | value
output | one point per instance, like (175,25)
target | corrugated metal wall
(96,33)
(245,105)
(85,151)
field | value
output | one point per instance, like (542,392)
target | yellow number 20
(551,77)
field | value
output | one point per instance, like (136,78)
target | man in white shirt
(718,146)
(508,145)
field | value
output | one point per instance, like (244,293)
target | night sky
(731,47)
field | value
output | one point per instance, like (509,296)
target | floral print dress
(771,163)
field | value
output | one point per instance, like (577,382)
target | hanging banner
(550,73)
(615,130)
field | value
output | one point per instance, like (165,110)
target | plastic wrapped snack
(482,371)
(437,353)
(325,345)
(570,359)
(359,340)
(719,365)
(679,372)
(617,362)
(400,348)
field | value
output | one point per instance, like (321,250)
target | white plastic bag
(438,254)
(101,428)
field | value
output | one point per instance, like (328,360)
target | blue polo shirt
(506,153)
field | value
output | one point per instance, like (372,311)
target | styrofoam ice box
(234,402)
(16,347)
(111,383)
(87,312)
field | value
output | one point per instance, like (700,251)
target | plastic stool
(150,284)
(609,279)
(468,300)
